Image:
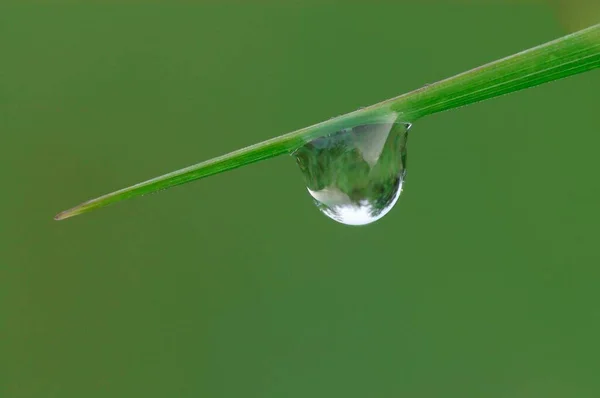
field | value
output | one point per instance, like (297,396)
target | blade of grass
(566,56)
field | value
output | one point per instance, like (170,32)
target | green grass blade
(566,56)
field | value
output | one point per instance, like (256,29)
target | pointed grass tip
(68,213)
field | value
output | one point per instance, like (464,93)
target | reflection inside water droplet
(355,175)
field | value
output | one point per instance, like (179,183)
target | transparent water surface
(355,175)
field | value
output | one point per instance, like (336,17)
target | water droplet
(355,175)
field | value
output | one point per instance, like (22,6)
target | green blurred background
(482,282)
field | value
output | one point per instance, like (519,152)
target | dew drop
(355,175)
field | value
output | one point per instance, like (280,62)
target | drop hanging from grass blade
(566,56)
(355,175)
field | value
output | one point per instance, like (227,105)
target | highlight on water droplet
(355,175)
